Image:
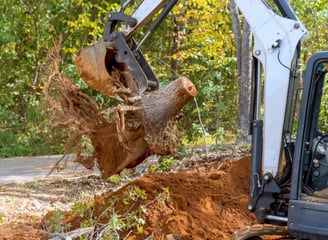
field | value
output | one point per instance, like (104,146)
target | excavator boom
(275,44)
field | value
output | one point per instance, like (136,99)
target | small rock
(212,156)
(149,238)
(173,237)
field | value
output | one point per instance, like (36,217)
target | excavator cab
(308,204)
(316,170)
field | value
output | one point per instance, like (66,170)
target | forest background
(196,40)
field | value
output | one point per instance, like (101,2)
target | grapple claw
(91,64)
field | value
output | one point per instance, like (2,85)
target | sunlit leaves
(195,40)
(314,15)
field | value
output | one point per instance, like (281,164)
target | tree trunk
(136,133)
(237,33)
(244,60)
(245,84)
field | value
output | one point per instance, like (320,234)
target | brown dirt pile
(201,205)
(19,231)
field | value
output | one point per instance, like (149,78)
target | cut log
(129,141)
(165,103)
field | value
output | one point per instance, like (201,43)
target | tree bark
(237,33)
(244,60)
(133,137)
(245,84)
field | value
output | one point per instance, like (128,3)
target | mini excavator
(289,165)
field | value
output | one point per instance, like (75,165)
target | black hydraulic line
(257,137)
(153,83)
(157,22)
(256,93)
(162,15)
(256,165)
(285,9)
(288,168)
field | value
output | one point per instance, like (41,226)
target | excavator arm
(142,15)
(288,175)
(277,39)
(277,34)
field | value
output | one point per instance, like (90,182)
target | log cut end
(188,86)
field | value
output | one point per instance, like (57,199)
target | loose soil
(208,200)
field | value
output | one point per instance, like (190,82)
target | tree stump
(141,122)
(129,140)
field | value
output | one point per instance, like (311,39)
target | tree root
(122,136)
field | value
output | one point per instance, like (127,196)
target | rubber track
(257,230)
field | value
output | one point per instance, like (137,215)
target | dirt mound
(21,231)
(201,205)
(205,201)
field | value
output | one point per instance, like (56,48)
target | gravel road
(23,169)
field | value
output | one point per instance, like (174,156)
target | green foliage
(35,185)
(27,32)
(314,16)
(202,49)
(165,164)
(2,218)
(323,114)
(134,218)
(195,40)
(83,209)
(134,193)
(115,179)
(124,214)
(54,225)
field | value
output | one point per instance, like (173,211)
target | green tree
(28,30)
(203,50)
(195,40)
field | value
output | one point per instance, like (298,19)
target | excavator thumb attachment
(116,63)
(97,65)
(90,63)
